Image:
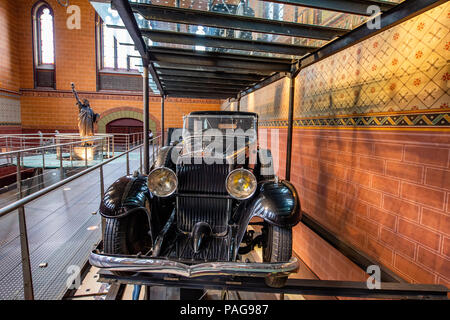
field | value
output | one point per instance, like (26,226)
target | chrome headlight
(162,182)
(241,184)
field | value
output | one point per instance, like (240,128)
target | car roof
(222,113)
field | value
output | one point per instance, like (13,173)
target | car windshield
(225,133)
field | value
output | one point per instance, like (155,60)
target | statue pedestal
(89,152)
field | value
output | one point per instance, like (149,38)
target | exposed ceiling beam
(235,22)
(129,21)
(346,6)
(225,43)
(201,68)
(213,59)
(202,84)
(206,74)
(220,81)
(207,90)
(220,54)
(200,95)
(230,64)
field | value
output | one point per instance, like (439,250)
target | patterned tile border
(436,119)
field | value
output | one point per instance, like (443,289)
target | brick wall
(75,61)
(9,62)
(49,116)
(386,193)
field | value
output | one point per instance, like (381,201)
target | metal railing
(9,142)
(41,163)
(62,156)
(20,204)
(15,142)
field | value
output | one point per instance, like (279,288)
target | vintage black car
(207,202)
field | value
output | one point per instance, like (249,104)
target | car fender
(276,202)
(125,195)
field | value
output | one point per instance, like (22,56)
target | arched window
(44,45)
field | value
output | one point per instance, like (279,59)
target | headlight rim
(251,174)
(176,181)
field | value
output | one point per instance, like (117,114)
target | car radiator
(195,181)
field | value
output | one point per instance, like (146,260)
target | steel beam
(190,67)
(346,6)
(213,59)
(200,84)
(129,21)
(199,95)
(290,127)
(206,74)
(146,111)
(293,286)
(235,22)
(173,88)
(222,63)
(201,81)
(225,43)
(162,122)
(356,256)
(222,55)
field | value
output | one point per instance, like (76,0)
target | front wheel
(278,248)
(127,235)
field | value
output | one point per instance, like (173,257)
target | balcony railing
(62,215)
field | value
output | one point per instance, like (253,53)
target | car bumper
(166,266)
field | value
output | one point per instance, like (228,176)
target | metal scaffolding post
(162,120)
(290,127)
(238,102)
(146,120)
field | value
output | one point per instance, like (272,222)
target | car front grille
(195,181)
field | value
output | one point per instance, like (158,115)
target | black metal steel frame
(358,7)
(293,286)
(167,63)
(225,43)
(235,22)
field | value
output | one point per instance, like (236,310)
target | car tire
(126,236)
(278,249)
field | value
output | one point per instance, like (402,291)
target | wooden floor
(62,230)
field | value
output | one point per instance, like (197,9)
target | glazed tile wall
(9,110)
(271,102)
(371,150)
(404,68)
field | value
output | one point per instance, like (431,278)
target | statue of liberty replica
(86,117)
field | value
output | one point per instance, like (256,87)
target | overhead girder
(235,22)
(225,43)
